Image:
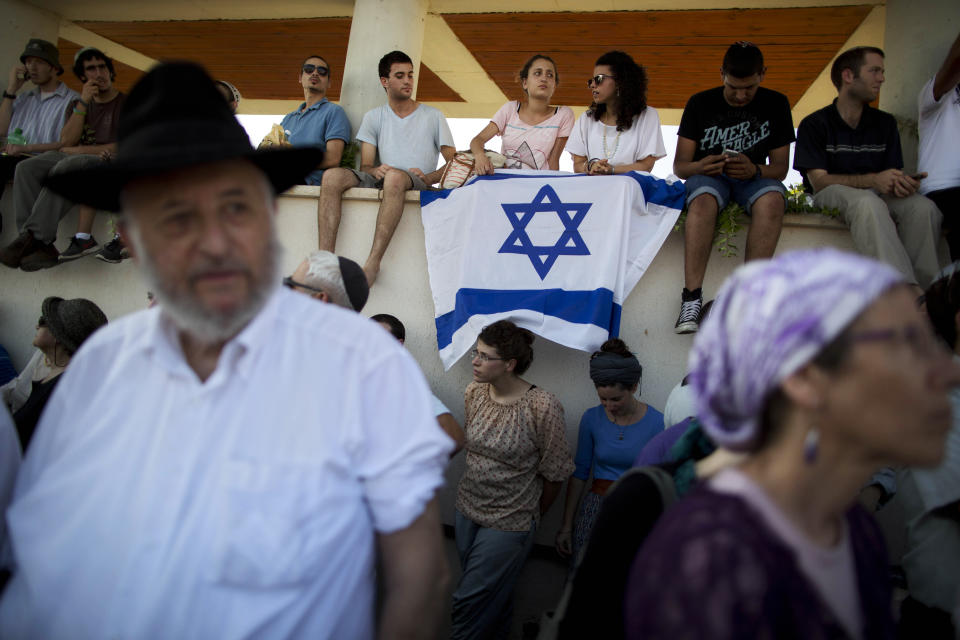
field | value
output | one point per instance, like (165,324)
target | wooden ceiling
(681,50)
(260,57)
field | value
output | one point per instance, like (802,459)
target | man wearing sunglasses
(317,122)
(733,144)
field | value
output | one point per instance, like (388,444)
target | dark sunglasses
(310,68)
(290,283)
(42,322)
(597,79)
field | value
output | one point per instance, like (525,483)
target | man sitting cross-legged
(407,136)
(733,144)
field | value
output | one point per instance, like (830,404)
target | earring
(810,444)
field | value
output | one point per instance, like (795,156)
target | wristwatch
(12,96)
(759,173)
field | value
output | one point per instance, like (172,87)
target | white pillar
(378,27)
(18,23)
(917,38)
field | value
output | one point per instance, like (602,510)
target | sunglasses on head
(321,70)
(597,79)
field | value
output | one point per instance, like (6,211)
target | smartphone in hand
(730,153)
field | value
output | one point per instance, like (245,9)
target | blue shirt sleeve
(584,459)
(339,126)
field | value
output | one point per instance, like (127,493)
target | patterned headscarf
(770,318)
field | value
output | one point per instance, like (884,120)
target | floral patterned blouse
(511,449)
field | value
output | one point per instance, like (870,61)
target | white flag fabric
(556,253)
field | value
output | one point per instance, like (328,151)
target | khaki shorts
(367,181)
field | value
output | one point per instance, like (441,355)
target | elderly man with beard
(226,464)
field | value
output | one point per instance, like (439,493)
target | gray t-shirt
(406,143)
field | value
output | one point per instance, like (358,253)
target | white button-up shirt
(154,505)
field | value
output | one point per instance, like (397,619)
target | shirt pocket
(270,526)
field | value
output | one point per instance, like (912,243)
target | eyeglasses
(290,283)
(921,341)
(597,79)
(482,356)
(42,322)
(310,68)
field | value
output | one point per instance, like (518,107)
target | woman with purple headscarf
(817,365)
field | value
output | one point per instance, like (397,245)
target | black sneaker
(113,252)
(689,319)
(79,248)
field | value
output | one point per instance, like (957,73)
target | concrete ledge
(403,289)
(810,220)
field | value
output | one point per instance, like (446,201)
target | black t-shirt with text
(763,124)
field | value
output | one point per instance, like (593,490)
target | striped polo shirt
(42,119)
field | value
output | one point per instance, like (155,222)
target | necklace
(616,145)
(629,420)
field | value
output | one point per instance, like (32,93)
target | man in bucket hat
(224,464)
(40,113)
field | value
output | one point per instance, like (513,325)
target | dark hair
(315,56)
(775,408)
(631,81)
(525,69)
(390,59)
(943,303)
(89,54)
(850,59)
(618,347)
(742,60)
(396,327)
(511,343)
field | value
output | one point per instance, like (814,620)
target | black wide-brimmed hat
(72,321)
(173,118)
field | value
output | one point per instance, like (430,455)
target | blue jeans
(491,561)
(743,192)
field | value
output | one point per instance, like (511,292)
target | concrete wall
(18,23)
(403,290)
(918,36)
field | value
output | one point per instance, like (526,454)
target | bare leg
(395,185)
(335,182)
(698,239)
(85,218)
(767,220)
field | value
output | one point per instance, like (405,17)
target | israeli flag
(556,253)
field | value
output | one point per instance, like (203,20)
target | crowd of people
(241,459)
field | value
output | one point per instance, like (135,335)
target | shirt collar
(314,107)
(835,114)
(61,90)
(161,341)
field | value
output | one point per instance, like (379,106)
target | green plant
(351,153)
(730,219)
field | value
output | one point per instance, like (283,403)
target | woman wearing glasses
(817,365)
(611,436)
(516,460)
(61,329)
(619,132)
(532,132)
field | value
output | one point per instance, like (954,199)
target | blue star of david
(570,242)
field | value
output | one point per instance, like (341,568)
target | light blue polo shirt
(314,126)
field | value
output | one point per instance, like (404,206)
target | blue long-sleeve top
(599,445)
